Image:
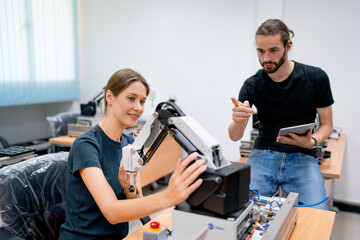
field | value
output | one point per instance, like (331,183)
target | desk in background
(311,224)
(329,167)
(161,164)
(66,141)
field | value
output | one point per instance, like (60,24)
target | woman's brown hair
(121,79)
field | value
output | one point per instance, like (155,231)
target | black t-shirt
(84,219)
(287,103)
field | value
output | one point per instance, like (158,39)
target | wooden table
(63,140)
(161,164)
(329,167)
(311,224)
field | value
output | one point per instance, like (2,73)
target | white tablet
(298,130)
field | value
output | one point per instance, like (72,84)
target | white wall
(198,51)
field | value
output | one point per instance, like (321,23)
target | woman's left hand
(124,180)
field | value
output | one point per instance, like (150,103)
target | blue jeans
(294,172)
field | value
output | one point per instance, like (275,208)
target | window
(38,51)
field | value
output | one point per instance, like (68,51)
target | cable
(261,200)
(265,226)
(276,202)
(259,226)
(311,205)
(255,193)
(4,142)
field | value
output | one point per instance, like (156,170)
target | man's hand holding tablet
(298,130)
(300,135)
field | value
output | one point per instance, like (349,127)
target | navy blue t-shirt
(84,219)
(287,103)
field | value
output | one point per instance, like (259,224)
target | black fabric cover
(32,196)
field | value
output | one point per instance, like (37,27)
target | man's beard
(276,65)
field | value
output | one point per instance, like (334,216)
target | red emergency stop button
(155,232)
(154,224)
(155,227)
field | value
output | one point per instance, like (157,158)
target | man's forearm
(323,132)
(236,130)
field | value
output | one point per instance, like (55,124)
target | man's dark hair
(275,26)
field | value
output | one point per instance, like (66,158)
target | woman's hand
(184,180)
(124,180)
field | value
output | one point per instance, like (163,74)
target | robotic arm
(89,109)
(168,118)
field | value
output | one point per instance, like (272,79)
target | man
(285,93)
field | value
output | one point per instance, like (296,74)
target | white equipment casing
(201,139)
(194,226)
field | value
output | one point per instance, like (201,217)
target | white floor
(347,224)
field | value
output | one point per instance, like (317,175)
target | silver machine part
(284,221)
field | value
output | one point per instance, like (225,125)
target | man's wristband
(314,141)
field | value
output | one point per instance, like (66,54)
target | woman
(98,202)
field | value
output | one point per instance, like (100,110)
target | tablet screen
(299,129)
